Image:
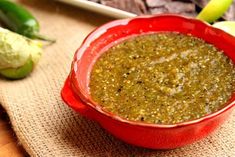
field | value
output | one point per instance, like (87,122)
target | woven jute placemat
(46,127)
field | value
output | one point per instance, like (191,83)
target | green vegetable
(214,10)
(227,26)
(13,52)
(19,20)
(18,73)
(18,54)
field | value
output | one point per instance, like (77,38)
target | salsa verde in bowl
(171,127)
(162,78)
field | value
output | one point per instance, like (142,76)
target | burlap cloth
(46,127)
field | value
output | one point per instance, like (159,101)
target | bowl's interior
(110,33)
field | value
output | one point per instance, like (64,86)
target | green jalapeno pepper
(214,10)
(19,20)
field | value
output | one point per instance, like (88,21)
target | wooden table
(8,142)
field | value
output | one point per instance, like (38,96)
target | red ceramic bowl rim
(84,96)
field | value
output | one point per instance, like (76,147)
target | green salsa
(162,78)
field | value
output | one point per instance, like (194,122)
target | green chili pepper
(19,20)
(214,10)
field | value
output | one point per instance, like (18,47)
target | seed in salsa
(162,78)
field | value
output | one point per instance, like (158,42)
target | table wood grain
(9,146)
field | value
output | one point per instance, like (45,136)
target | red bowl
(157,136)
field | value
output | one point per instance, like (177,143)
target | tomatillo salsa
(162,78)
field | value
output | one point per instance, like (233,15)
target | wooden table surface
(9,146)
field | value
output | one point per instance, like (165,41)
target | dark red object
(157,136)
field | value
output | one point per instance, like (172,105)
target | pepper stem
(44,38)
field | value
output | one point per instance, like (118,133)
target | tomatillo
(18,54)
(18,73)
